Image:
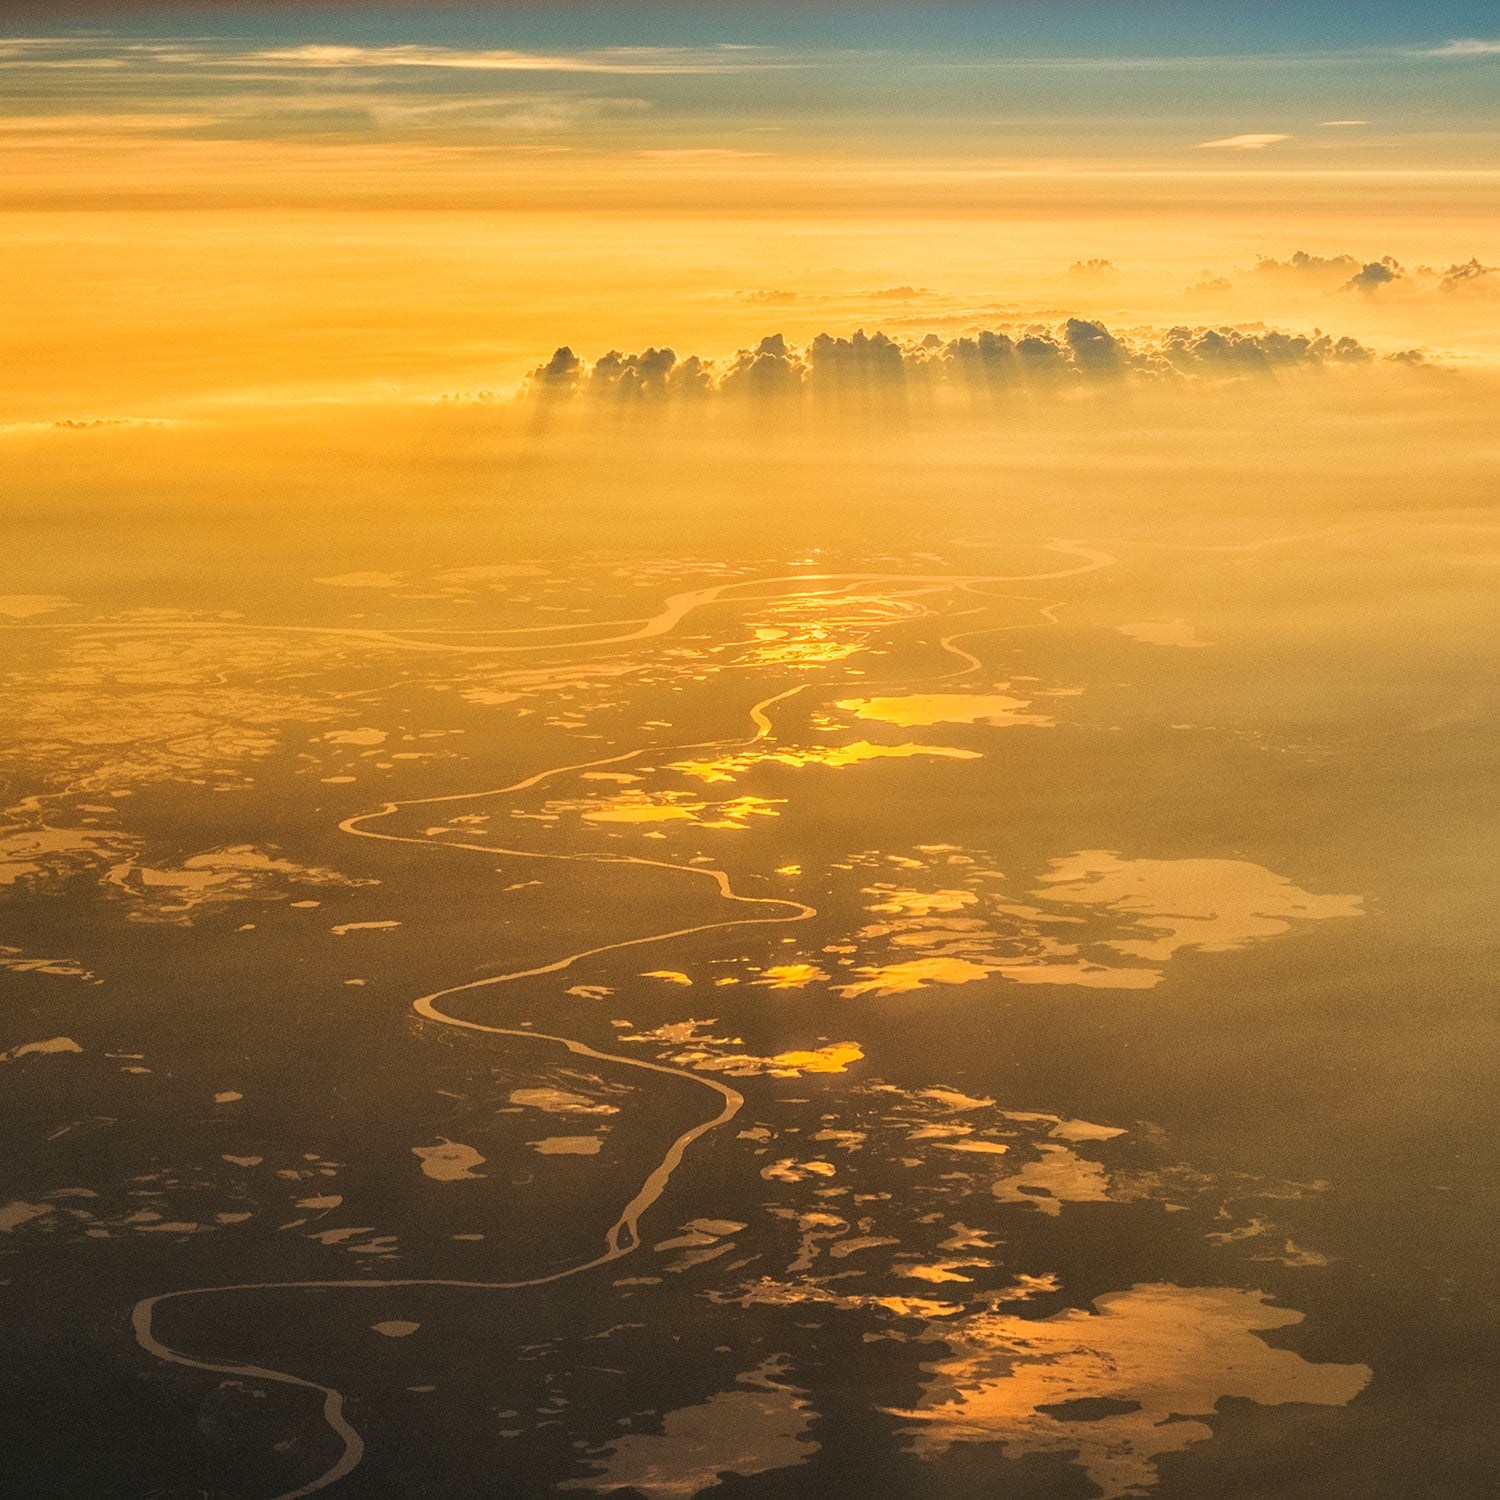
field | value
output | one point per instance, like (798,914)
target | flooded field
(986,1008)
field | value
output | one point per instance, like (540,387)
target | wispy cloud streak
(327,56)
(1463,47)
(1243,142)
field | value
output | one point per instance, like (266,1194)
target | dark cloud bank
(1077,355)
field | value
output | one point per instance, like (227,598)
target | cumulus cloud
(1351,273)
(1470,278)
(652,374)
(1374,275)
(1310,267)
(770,297)
(875,366)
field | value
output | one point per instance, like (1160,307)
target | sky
(252,202)
(1151,86)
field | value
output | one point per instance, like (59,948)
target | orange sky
(267,205)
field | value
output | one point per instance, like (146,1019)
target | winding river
(622,1236)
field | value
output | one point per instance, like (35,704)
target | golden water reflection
(1116,1386)
(1214,905)
(760,1426)
(725,767)
(697,1048)
(921,709)
(636,806)
(1092,908)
